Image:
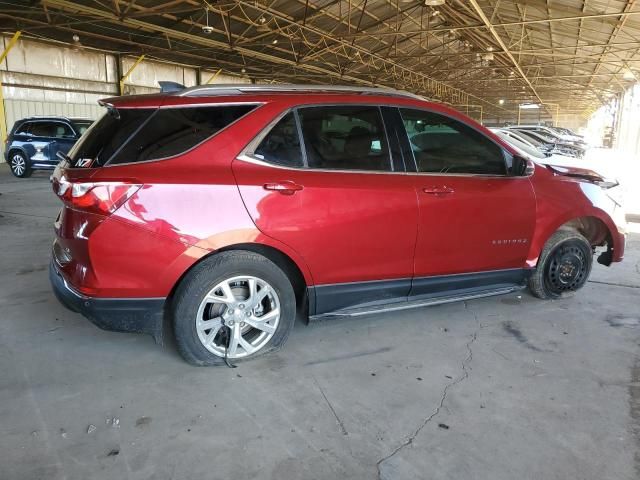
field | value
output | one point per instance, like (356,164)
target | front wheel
(19,163)
(236,305)
(564,265)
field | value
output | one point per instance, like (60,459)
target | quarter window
(24,129)
(344,138)
(444,145)
(282,144)
(107,135)
(172,131)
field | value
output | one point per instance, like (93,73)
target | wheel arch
(594,226)
(21,150)
(291,269)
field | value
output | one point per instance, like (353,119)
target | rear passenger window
(444,145)
(172,131)
(282,144)
(43,129)
(345,138)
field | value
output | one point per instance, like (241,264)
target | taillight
(97,197)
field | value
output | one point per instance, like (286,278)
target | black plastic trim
(443,284)
(329,298)
(393,124)
(133,315)
(325,299)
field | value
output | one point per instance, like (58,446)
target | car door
(474,217)
(326,182)
(42,140)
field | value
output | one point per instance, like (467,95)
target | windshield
(534,152)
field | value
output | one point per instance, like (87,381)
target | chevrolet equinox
(225,210)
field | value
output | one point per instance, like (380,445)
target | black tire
(203,278)
(19,164)
(564,265)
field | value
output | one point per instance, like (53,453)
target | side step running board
(396,307)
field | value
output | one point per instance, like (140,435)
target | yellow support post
(126,75)
(213,77)
(3,116)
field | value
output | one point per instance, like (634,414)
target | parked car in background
(560,135)
(606,179)
(34,142)
(529,150)
(227,209)
(566,131)
(551,143)
(544,147)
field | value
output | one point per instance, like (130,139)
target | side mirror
(521,167)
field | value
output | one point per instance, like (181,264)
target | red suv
(226,209)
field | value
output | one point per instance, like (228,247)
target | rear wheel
(234,304)
(19,163)
(564,265)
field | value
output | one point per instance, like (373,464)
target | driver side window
(443,145)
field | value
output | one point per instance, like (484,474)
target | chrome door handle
(438,190)
(285,188)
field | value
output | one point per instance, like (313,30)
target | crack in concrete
(338,419)
(614,284)
(443,397)
(27,215)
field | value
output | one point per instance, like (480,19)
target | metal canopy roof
(571,53)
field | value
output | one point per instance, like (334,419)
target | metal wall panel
(55,79)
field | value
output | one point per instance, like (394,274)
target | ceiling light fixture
(501,101)
(529,106)
(434,3)
(77,45)
(263,25)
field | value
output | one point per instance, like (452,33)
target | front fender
(560,200)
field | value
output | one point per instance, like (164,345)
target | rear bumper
(134,315)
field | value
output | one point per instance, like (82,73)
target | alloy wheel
(248,306)
(18,165)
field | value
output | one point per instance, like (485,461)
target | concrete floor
(499,388)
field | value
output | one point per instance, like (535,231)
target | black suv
(34,142)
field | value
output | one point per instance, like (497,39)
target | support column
(129,72)
(3,115)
